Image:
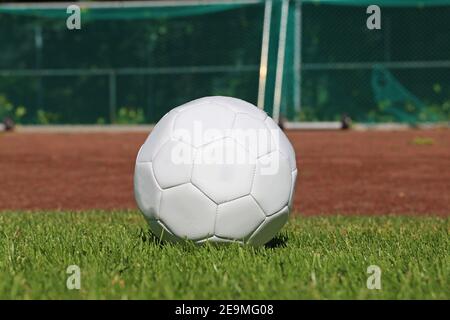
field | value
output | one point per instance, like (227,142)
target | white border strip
(336,125)
(83,128)
(325,125)
(146,128)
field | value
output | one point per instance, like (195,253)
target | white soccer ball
(216,169)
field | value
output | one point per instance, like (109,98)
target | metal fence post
(280,61)
(112,96)
(264,54)
(39,43)
(298,57)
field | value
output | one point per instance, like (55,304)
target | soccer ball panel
(287,150)
(203,123)
(223,170)
(155,228)
(187,212)
(173,164)
(237,219)
(294,179)
(269,228)
(160,134)
(217,240)
(190,104)
(282,142)
(253,134)
(240,106)
(272,182)
(161,232)
(146,190)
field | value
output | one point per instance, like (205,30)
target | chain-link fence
(399,73)
(132,64)
(125,67)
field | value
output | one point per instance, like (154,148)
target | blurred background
(305,60)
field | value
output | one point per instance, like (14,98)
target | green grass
(423,141)
(318,257)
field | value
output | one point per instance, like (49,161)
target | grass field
(314,257)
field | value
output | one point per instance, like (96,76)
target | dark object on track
(8,124)
(346,122)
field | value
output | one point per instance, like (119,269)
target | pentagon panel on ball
(220,178)
(216,169)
